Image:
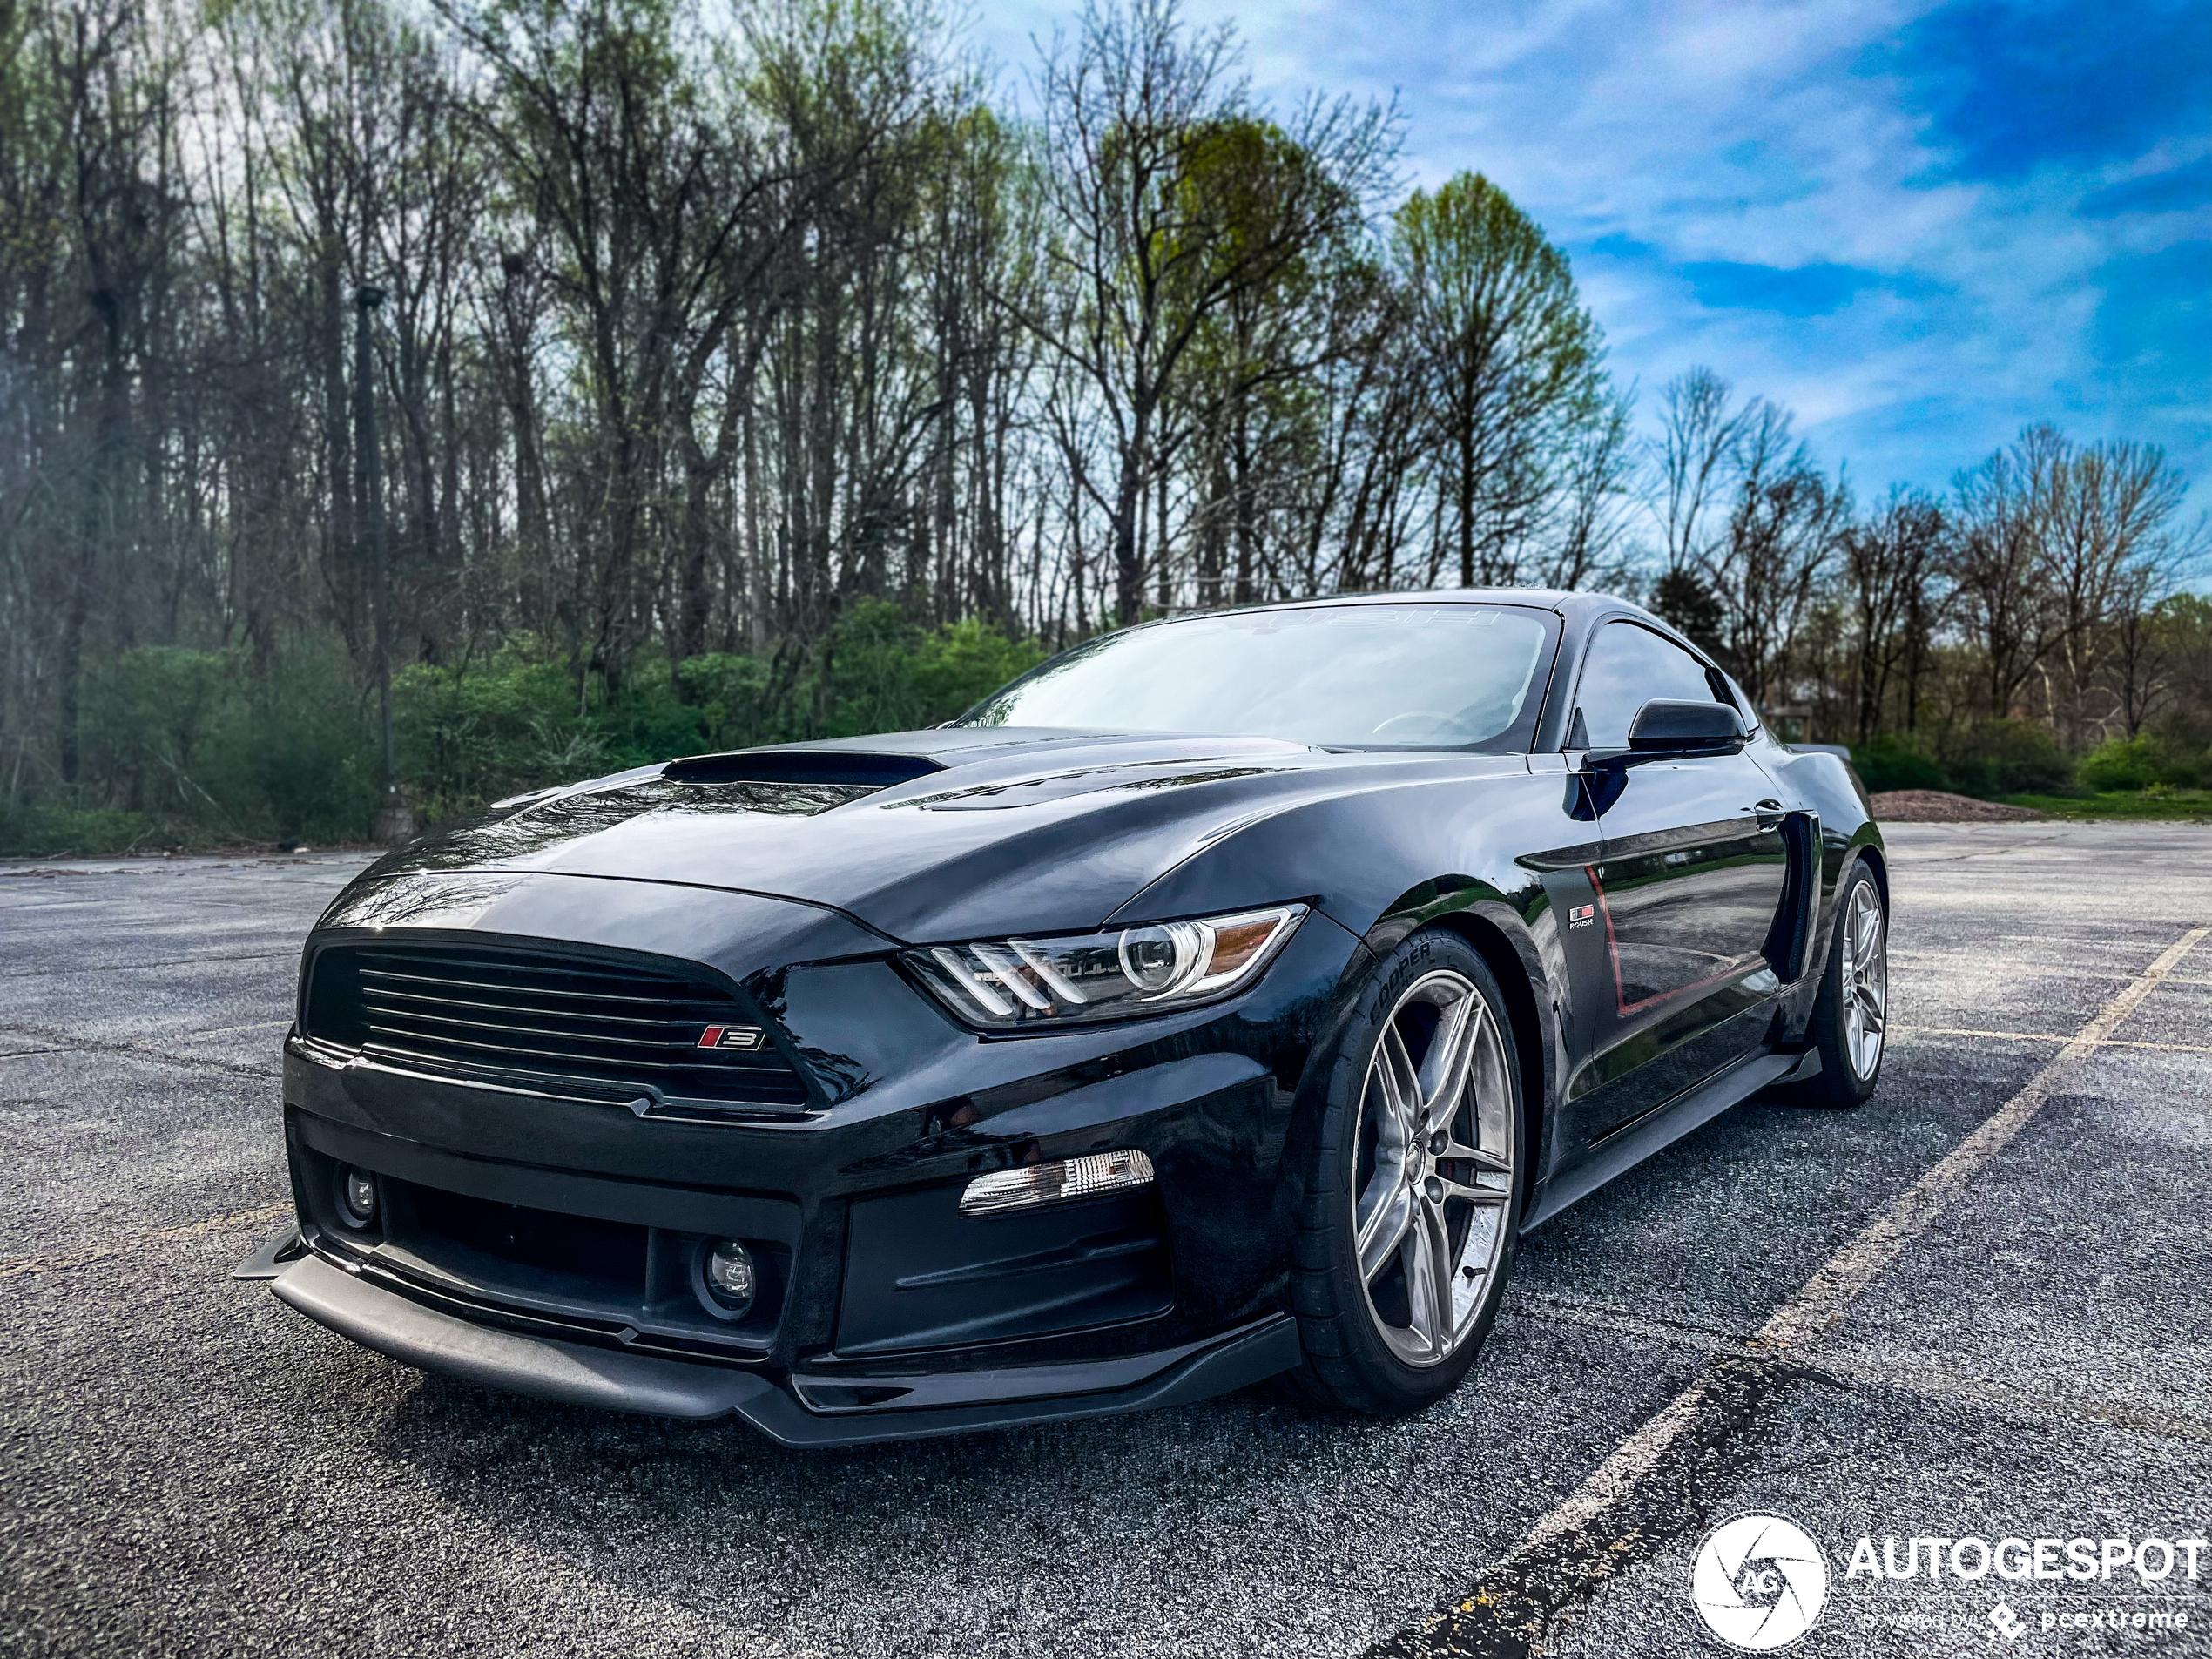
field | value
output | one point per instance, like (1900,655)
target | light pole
(394,820)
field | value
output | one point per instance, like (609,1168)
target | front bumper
(547,1243)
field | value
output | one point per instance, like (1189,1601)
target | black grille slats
(501,1011)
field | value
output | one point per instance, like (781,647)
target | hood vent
(800,766)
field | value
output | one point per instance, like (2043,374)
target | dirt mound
(1935,807)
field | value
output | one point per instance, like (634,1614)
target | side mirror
(1672,725)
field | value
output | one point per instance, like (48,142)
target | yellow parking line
(1794,1332)
(2044,1037)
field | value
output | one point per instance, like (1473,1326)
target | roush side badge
(1582,915)
(731,1036)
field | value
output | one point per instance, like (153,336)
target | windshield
(1346,676)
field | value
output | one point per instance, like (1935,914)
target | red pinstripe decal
(1622,1006)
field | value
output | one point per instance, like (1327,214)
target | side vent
(1789,946)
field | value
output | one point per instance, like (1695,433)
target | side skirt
(1633,1145)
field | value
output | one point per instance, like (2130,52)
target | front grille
(540,1014)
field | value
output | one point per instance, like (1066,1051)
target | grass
(2182,806)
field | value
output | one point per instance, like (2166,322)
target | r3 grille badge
(731,1036)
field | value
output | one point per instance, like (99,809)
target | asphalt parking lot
(1981,1304)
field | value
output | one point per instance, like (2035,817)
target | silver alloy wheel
(1433,1179)
(1865,979)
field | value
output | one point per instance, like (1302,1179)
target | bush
(2007,758)
(189,750)
(523,718)
(472,733)
(151,721)
(1888,762)
(728,692)
(313,761)
(886,673)
(30,831)
(2125,762)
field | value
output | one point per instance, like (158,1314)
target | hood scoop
(849,768)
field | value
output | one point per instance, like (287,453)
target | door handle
(1771,814)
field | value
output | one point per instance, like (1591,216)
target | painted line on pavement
(2046,1036)
(1661,1482)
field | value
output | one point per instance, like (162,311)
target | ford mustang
(1220,1002)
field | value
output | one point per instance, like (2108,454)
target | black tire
(1843,1080)
(1351,1364)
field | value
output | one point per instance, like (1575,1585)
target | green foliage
(2157,803)
(1681,598)
(1891,762)
(889,675)
(2125,762)
(1515,360)
(729,693)
(38,832)
(963,662)
(309,754)
(192,752)
(188,749)
(2006,757)
(471,733)
(522,718)
(148,720)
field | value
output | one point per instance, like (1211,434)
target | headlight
(1007,983)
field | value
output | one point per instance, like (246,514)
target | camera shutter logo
(1760,1582)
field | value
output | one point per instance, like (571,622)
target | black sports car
(1220,1001)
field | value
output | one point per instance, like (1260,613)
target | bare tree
(1890,564)
(2104,517)
(1152,248)
(1784,525)
(1694,462)
(1996,568)
(1597,493)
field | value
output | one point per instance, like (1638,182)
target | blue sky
(1921,226)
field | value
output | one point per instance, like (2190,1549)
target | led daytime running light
(1021,983)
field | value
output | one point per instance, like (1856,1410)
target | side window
(1626,667)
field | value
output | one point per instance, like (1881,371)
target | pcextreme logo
(1759,1582)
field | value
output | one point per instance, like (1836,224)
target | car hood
(922,836)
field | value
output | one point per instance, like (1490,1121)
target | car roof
(1567,603)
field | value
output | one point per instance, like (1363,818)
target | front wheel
(1851,1018)
(1412,1203)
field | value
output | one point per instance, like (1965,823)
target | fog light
(357,1198)
(1056,1183)
(731,1279)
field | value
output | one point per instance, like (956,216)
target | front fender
(1468,852)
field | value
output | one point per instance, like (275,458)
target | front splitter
(577,1373)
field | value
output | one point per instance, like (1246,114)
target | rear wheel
(1412,1202)
(1851,1018)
